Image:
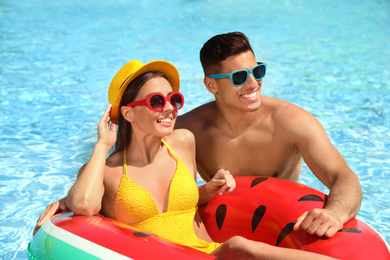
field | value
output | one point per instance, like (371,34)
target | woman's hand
(107,132)
(222,182)
(54,209)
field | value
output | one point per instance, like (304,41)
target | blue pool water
(57,59)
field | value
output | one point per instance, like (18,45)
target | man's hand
(320,222)
(54,209)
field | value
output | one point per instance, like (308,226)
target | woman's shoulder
(180,140)
(180,136)
(115,160)
(182,143)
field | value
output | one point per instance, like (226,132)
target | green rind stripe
(46,246)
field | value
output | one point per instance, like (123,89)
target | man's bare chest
(249,157)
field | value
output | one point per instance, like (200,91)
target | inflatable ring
(265,209)
(261,208)
(77,237)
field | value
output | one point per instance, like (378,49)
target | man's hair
(220,47)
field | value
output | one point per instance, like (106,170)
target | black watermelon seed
(257,216)
(220,215)
(258,180)
(311,197)
(285,231)
(350,230)
(142,234)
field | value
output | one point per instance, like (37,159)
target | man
(249,134)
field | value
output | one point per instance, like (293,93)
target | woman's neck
(142,151)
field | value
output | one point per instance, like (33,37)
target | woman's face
(159,123)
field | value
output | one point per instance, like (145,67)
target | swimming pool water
(57,59)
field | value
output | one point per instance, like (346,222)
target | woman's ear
(127,113)
(211,84)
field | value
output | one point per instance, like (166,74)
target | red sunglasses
(156,101)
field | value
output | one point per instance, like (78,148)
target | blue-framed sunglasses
(240,77)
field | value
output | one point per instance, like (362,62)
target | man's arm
(332,170)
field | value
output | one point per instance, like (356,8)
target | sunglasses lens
(239,77)
(259,72)
(157,102)
(176,101)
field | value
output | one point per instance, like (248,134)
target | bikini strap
(124,162)
(170,150)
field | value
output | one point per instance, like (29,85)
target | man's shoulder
(290,117)
(276,103)
(281,107)
(198,117)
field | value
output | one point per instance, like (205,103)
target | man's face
(244,97)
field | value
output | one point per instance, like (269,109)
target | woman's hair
(124,127)
(220,47)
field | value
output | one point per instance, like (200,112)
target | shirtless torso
(266,147)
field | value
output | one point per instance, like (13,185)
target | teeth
(252,95)
(166,120)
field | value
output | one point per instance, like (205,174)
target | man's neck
(234,120)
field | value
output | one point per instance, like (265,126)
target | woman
(146,177)
(150,180)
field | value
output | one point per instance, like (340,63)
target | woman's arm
(85,196)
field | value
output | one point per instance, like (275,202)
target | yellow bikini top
(135,201)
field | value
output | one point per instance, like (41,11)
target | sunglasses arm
(219,76)
(137,103)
